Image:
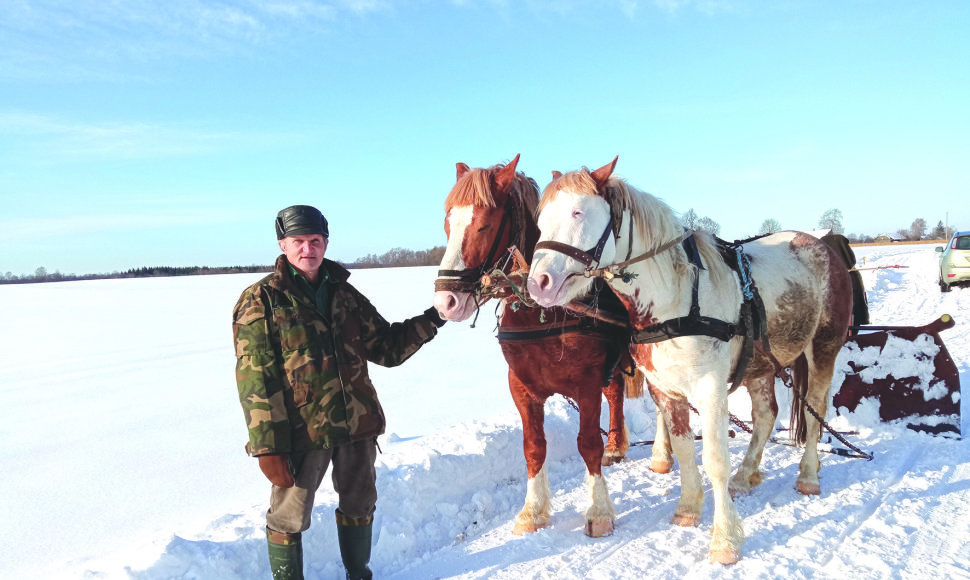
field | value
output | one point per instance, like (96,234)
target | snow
(123,453)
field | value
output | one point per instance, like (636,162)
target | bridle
(587,257)
(469,280)
(593,255)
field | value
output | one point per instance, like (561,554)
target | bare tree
(769,226)
(832,220)
(709,225)
(689,219)
(917,229)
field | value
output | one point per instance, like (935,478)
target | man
(303,337)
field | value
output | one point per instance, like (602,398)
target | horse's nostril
(546,281)
(541,282)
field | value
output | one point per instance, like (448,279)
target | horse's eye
(577,213)
(484,227)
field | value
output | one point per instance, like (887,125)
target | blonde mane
(654,222)
(474,189)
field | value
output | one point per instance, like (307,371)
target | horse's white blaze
(458,220)
(455,305)
(535,512)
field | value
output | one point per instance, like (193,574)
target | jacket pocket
(292,329)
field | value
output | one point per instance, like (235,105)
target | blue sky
(140,133)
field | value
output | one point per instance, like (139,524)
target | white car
(955,261)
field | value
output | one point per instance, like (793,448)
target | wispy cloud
(65,227)
(78,39)
(64,140)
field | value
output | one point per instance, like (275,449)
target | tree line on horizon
(831,219)
(395,258)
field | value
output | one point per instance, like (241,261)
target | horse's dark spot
(796,318)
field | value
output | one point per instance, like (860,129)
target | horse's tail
(800,387)
(633,384)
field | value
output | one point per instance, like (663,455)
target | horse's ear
(556,174)
(505,176)
(602,175)
(462,169)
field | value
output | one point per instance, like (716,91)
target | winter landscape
(123,454)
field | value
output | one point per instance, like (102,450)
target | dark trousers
(354,480)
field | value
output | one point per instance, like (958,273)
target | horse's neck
(656,291)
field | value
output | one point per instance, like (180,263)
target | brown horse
(548,351)
(693,314)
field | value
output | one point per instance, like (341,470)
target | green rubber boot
(285,555)
(354,537)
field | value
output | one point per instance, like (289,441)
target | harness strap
(645,256)
(588,257)
(572,252)
(582,325)
(751,323)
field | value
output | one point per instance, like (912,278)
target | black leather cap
(300,220)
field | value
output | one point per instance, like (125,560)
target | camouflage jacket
(302,379)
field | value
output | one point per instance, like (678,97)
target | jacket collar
(281,274)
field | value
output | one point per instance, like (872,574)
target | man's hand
(436,318)
(276,468)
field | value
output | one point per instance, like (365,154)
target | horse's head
(577,233)
(483,217)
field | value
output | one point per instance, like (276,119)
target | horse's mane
(654,221)
(474,189)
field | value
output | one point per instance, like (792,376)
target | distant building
(883,239)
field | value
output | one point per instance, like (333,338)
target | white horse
(689,308)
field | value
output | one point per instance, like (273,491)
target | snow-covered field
(123,454)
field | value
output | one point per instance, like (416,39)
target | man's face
(305,253)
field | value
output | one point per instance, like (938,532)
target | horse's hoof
(808,488)
(609,460)
(658,466)
(685,520)
(726,557)
(738,490)
(530,527)
(599,528)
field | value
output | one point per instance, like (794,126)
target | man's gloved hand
(276,468)
(436,318)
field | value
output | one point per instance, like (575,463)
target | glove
(276,468)
(436,318)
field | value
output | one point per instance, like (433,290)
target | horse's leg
(535,514)
(728,533)
(600,514)
(676,414)
(618,440)
(764,411)
(821,367)
(661,456)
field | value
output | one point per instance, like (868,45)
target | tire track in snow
(863,515)
(898,532)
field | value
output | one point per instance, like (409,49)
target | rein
(618,269)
